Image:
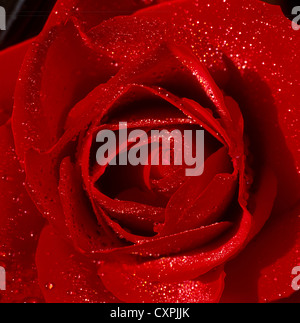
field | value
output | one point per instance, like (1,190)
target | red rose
(151,234)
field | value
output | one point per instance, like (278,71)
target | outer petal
(42,99)
(268,260)
(20,222)
(133,289)
(90,12)
(20,225)
(10,63)
(66,276)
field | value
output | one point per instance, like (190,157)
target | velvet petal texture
(20,222)
(202,61)
(66,276)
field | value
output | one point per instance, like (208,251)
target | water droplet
(32,300)
(49,286)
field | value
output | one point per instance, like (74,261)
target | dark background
(286,6)
(25,18)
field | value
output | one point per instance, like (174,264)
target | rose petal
(135,289)
(174,244)
(189,192)
(20,226)
(191,264)
(66,276)
(85,11)
(58,51)
(10,63)
(272,257)
(86,233)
